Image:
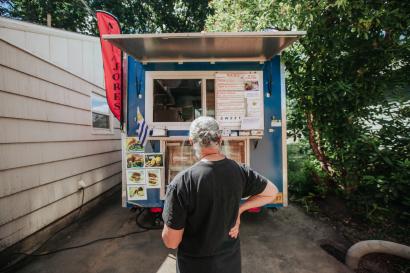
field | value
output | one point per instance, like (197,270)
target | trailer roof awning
(204,46)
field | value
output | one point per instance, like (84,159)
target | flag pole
(108,24)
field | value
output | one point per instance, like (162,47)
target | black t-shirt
(204,200)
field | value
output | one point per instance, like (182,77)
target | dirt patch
(353,229)
(383,263)
(339,254)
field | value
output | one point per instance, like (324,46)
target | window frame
(96,130)
(150,76)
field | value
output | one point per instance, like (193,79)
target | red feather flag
(112,61)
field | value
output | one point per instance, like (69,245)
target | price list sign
(238,100)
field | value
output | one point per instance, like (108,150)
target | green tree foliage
(68,15)
(152,16)
(342,77)
(135,16)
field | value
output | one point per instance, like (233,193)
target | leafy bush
(382,164)
(340,78)
(378,167)
(306,179)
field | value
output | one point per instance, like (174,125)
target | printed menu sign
(136,192)
(238,100)
(144,171)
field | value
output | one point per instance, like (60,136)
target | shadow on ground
(285,241)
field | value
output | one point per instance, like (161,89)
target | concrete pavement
(285,241)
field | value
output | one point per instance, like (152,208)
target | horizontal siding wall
(47,144)
(77,53)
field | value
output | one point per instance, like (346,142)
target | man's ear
(219,140)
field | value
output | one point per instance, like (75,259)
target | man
(202,212)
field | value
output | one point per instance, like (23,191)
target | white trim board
(284,135)
(203,75)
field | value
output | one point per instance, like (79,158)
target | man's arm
(172,237)
(174,214)
(265,197)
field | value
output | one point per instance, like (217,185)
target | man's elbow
(169,243)
(273,192)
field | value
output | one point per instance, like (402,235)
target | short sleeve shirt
(204,200)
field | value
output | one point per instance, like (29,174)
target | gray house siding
(48,144)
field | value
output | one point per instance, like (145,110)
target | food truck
(171,79)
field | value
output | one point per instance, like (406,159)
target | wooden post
(48,19)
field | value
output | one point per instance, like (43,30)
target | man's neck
(211,154)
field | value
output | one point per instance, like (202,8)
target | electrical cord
(141,210)
(82,245)
(33,254)
(77,218)
(81,206)
(7,269)
(18,261)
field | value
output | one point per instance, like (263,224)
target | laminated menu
(136,176)
(239,100)
(136,192)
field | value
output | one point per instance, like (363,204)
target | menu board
(239,100)
(144,171)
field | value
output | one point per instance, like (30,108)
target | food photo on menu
(135,160)
(154,160)
(133,145)
(136,176)
(153,178)
(136,192)
(251,85)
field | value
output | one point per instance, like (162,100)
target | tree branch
(315,145)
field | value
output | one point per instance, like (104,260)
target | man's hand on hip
(265,197)
(234,232)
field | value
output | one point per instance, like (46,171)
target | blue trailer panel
(206,57)
(266,154)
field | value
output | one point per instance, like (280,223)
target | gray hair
(204,132)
